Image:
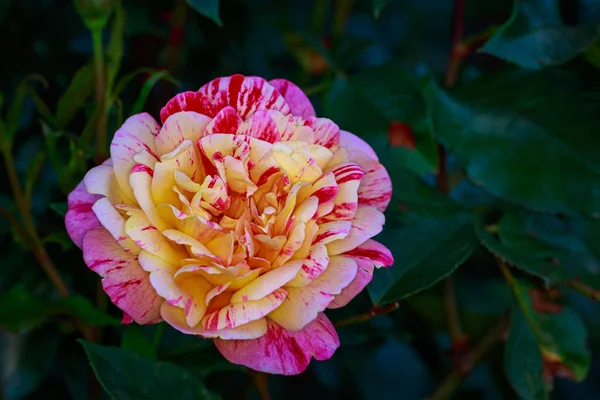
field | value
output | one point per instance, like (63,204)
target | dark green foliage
(492,145)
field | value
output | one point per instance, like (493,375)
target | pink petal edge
(80,218)
(125,282)
(299,103)
(283,352)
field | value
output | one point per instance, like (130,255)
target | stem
(29,232)
(374,312)
(99,68)
(457,36)
(260,380)
(452,382)
(457,336)
(585,289)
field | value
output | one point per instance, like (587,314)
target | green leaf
(21,311)
(523,361)
(592,54)
(378,6)
(59,208)
(529,149)
(425,252)
(84,310)
(154,77)
(34,168)
(367,103)
(544,245)
(559,340)
(208,8)
(74,98)
(26,361)
(13,115)
(534,37)
(145,379)
(415,195)
(135,341)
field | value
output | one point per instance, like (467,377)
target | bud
(94,13)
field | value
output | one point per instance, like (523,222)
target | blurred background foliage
(485,113)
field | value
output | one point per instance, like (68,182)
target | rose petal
(376,187)
(373,252)
(80,217)
(283,352)
(246,94)
(367,223)
(125,282)
(238,314)
(327,133)
(299,104)
(368,256)
(267,283)
(182,126)
(302,305)
(176,318)
(194,101)
(136,134)
(226,121)
(358,150)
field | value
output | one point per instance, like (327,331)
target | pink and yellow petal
(280,351)
(125,282)
(80,217)
(135,135)
(367,222)
(303,304)
(298,102)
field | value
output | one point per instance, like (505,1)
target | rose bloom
(240,219)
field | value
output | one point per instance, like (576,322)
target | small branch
(260,380)
(455,331)
(99,67)
(453,381)
(28,229)
(374,312)
(457,36)
(585,289)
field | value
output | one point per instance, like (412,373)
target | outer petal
(125,282)
(246,94)
(304,304)
(374,252)
(283,352)
(135,135)
(299,104)
(367,223)
(358,150)
(376,187)
(193,101)
(80,217)
(368,256)
(364,274)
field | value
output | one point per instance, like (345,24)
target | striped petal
(194,101)
(237,314)
(175,317)
(246,94)
(125,282)
(182,126)
(358,150)
(298,102)
(80,217)
(376,187)
(280,351)
(367,223)
(368,256)
(135,135)
(302,305)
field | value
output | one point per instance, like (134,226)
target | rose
(241,219)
